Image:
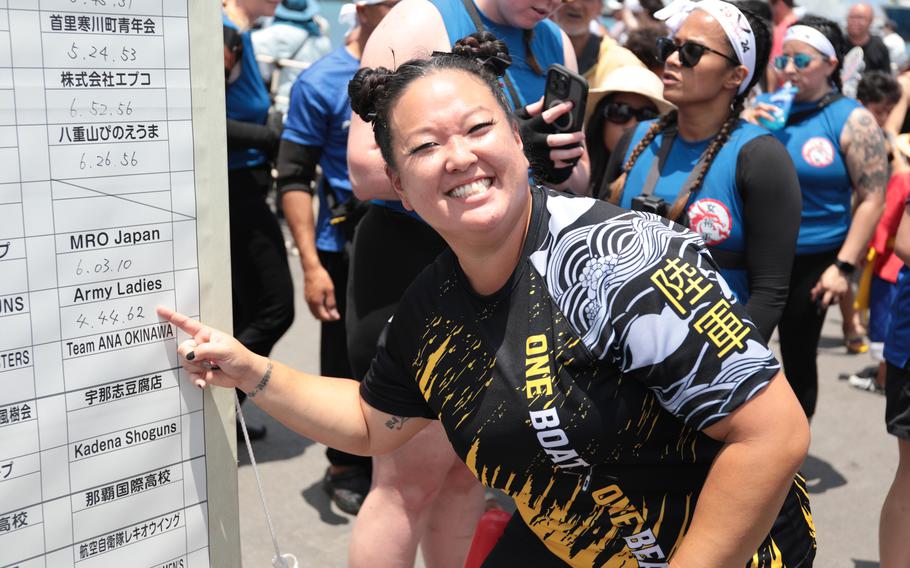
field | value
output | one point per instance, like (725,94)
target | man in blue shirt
(316,132)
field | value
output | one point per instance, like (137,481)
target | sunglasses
(800,61)
(621,113)
(690,53)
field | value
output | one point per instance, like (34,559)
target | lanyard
(658,164)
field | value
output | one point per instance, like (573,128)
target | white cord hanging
(286,560)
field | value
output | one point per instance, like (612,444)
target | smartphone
(566,85)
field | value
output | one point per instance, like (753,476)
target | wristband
(262,382)
(846,268)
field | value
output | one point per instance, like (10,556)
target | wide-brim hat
(630,79)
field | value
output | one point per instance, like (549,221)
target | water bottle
(782,99)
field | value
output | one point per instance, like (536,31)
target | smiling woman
(422,493)
(460,165)
(553,327)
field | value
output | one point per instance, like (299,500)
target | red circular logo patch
(818,152)
(711,219)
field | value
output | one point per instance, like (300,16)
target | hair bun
(487,49)
(367,88)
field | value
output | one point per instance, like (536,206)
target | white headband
(813,37)
(733,22)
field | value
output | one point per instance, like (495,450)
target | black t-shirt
(875,54)
(580,387)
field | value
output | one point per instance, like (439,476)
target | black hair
(527,38)
(651,6)
(594,140)
(373,92)
(643,43)
(762,52)
(878,86)
(760,8)
(832,31)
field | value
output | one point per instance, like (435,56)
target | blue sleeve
(309,114)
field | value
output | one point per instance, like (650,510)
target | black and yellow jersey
(580,387)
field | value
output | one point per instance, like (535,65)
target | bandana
(733,22)
(813,37)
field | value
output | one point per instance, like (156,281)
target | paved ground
(850,466)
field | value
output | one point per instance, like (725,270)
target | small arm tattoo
(396,422)
(866,156)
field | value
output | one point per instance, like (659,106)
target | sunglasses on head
(621,113)
(690,53)
(800,61)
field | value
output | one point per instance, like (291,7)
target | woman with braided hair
(840,157)
(587,360)
(422,493)
(704,167)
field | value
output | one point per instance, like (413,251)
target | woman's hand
(213,357)
(759,111)
(552,155)
(830,287)
(560,155)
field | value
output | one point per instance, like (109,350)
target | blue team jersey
(897,344)
(319,114)
(546,46)
(246,100)
(715,211)
(814,145)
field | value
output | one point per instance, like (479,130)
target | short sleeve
(645,295)
(309,113)
(676,327)
(390,385)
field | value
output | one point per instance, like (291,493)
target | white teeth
(472,188)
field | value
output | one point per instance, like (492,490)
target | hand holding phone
(566,85)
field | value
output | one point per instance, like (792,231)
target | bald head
(859,19)
(861,10)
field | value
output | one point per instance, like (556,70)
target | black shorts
(897,406)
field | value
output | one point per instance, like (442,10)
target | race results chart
(102,453)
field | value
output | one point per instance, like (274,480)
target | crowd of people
(577,319)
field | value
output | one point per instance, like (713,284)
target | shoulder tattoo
(866,156)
